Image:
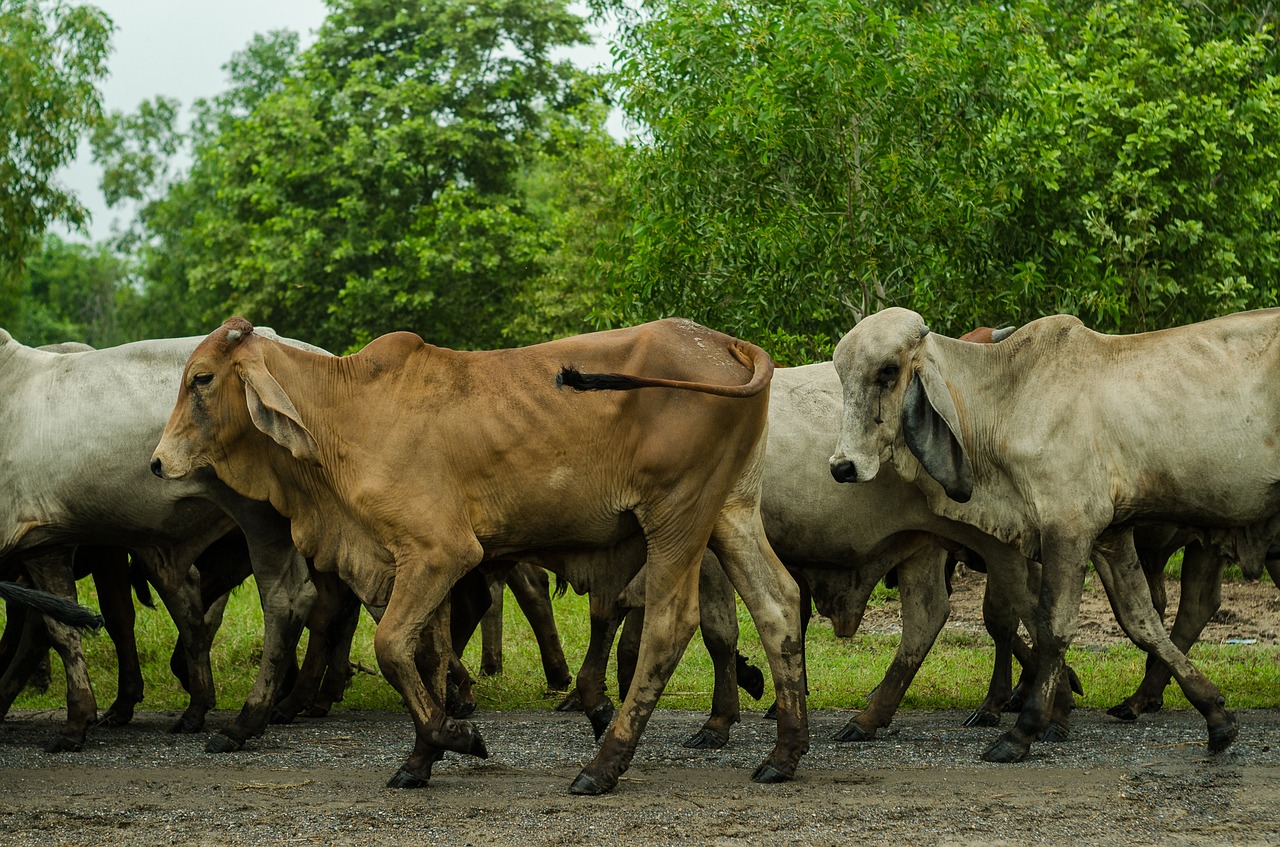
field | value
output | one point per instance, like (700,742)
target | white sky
(178,47)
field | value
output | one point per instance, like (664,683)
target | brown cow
(405,465)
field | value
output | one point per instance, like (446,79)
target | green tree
(73,292)
(52,55)
(377,180)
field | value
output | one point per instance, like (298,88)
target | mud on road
(921,783)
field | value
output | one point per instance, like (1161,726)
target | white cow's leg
(52,572)
(925,606)
(1065,557)
(1117,564)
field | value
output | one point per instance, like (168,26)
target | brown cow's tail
(748,354)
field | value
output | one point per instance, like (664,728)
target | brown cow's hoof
(1224,735)
(222,743)
(590,785)
(600,717)
(62,744)
(1056,733)
(571,703)
(707,739)
(187,725)
(983,717)
(282,716)
(405,779)
(768,774)
(853,731)
(1006,751)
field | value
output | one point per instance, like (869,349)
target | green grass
(841,672)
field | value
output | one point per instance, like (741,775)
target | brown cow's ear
(929,424)
(273,412)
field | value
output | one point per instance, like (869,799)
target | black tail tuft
(55,607)
(577,380)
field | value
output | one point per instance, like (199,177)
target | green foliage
(376,181)
(807,163)
(52,55)
(72,292)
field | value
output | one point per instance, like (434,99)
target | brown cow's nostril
(844,471)
(155,468)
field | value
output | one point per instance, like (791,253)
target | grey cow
(1060,440)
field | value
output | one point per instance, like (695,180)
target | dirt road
(921,783)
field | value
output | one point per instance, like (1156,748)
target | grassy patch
(841,672)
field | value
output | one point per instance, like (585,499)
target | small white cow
(1059,441)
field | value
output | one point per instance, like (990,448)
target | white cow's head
(894,393)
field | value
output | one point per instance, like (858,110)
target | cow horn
(233,335)
(924,330)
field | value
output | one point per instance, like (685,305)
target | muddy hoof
(406,779)
(222,743)
(1125,712)
(187,725)
(983,717)
(117,715)
(600,717)
(283,716)
(1224,735)
(707,739)
(571,703)
(768,774)
(589,785)
(62,744)
(853,731)
(1057,733)
(771,713)
(1006,751)
(316,711)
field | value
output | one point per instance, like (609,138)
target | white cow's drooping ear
(274,413)
(929,425)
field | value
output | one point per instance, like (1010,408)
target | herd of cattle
(660,468)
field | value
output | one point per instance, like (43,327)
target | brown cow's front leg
(409,640)
(925,606)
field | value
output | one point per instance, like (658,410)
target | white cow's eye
(888,375)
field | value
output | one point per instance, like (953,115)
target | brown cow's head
(227,396)
(892,386)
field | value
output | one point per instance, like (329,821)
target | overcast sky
(177,48)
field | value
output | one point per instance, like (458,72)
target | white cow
(79,428)
(1059,441)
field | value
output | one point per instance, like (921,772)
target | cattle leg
(1201,597)
(407,641)
(327,621)
(923,588)
(773,599)
(287,593)
(28,643)
(491,630)
(718,617)
(1117,564)
(671,581)
(589,690)
(532,589)
(178,587)
(52,572)
(1061,587)
(110,571)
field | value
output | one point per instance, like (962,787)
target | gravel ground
(921,783)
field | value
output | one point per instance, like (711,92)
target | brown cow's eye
(202,379)
(888,375)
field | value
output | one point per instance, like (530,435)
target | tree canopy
(52,57)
